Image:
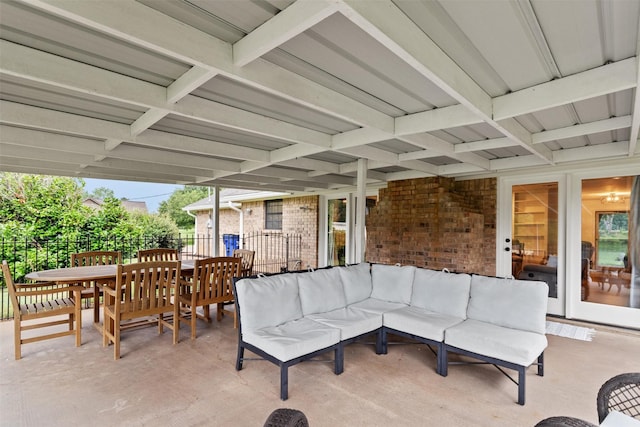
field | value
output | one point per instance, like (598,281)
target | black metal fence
(275,252)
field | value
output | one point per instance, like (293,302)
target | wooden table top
(89,273)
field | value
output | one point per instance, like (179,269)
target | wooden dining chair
(141,290)
(40,300)
(247,257)
(157,254)
(212,283)
(92,289)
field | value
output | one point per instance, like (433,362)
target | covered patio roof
(287,95)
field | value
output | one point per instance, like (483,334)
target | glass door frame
(576,308)
(504,230)
(323,228)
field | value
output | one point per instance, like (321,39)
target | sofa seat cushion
(351,322)
(377,306)
(293,339)
(321,291)
(511,345)
(420,322)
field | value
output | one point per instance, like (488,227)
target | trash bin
(231,242)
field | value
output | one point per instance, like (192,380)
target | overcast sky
(152,194)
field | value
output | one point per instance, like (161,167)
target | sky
(150,193)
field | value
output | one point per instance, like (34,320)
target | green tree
(158,230)
(172,207)
(101,193)
(42,206)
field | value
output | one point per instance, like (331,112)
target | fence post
(286,246)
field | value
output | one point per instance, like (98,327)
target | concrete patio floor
(194,383)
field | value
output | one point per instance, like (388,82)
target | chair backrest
(247,257)
(82,259)
(214,278)
(146,287)
(10,285)
(620,393)
(157,254)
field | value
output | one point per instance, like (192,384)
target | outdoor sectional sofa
(291,317)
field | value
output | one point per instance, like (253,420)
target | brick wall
(294,221)
(435,223)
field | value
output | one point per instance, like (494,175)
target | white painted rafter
(298,17)
(385,22)
(603,80)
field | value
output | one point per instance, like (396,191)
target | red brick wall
(435,223)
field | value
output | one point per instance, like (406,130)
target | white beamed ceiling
(287,95)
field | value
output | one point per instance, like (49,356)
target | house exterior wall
(299,217)
(435,223)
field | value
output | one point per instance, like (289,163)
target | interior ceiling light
(612,198)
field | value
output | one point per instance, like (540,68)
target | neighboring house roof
(128,205)
(234,196)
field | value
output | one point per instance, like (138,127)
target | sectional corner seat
(291,317)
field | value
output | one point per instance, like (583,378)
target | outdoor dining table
(101,275)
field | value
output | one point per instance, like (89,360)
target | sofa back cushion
(440,292)
(321,291)
(517,304)
(392,283)
(356,280)
(268,301)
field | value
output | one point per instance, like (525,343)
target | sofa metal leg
(541,364)
(439,361)
(443,361)
(339,359)
(521,380)
(284,382)
(240,357)
(381,341)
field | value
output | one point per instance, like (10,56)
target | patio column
(361,205)
(215,222)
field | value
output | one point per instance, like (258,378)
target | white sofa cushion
(268,301)
(511,345)
(392,283)
(293,339)
(351,322)
(356,280)
(440,292)
(376,306)
(321,291)
(423,323)
(518,304)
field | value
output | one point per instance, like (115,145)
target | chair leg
(176,322)
(17,337)
(96,304)
(219,308)
(78,319)
(192,324)
(116,339)
(206,313)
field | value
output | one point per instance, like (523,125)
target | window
(273,214)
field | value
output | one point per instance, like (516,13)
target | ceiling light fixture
(612,198)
